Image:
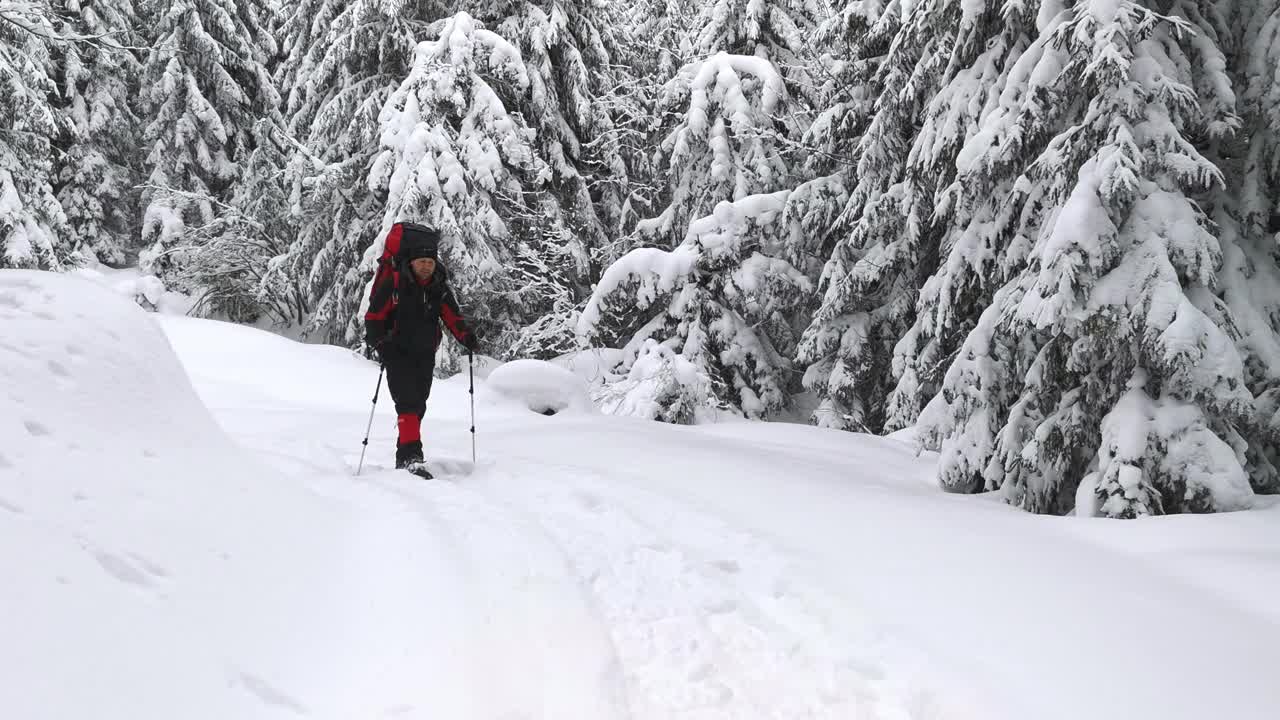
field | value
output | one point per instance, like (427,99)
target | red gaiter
(410,428)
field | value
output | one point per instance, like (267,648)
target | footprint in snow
(268,694)
(590,502)
(121,569)
(19,351)
(723,606)
(35,428)
(131,568)
(729,567)
(58,369)
(150,567)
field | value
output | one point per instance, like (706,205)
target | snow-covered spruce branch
(204,198)
(317,162)
(37,23)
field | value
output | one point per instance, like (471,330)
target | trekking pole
(376,390)
(471,364)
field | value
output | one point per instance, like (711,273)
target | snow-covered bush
(541,386)
(725,300)
(1157,455)
(662,385)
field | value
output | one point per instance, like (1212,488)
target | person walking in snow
(409,300)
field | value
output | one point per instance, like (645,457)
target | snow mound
(907,435)
(74,354)
(147,290)
(151,567)
(541,386)
(596,366)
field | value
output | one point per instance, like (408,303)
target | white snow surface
(183,535)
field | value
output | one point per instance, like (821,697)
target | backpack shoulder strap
(390,260)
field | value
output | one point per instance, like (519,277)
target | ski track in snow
(704,621)
(679,615)
(532,631)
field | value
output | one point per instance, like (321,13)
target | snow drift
(154,569)
(75,354)
(127,521)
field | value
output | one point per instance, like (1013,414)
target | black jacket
(408,314)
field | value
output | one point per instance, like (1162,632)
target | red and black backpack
(401,235)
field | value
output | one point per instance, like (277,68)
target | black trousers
(409,378)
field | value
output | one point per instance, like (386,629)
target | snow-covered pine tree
(724,281)
(1257,55)
(250,233)
(343,60)
(1248,216)
(658,42)
(843,58)
(32,223)
(205,85)
(993,38)
(305,40)
(98,168)
(724,147)
(458,159)
(850,47)
(1102,376)
(579,205)
(885,236)
(722,310)
(568,48)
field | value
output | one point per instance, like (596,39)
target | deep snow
(182,535)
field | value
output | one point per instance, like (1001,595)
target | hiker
(409,299)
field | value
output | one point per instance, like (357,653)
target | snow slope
(166,560)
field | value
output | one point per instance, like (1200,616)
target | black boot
(409,457)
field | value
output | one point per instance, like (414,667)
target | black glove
(376,347)
(471,342)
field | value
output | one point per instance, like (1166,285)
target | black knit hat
(419,241)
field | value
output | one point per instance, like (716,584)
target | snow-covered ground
(182,535)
